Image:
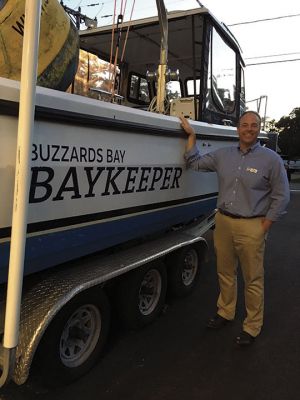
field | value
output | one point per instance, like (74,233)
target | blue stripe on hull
(51,249)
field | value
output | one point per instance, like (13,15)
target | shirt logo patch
(252,170)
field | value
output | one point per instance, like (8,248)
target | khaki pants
(244,240)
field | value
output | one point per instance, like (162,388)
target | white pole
(22,174)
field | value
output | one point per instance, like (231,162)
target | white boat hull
(101,175)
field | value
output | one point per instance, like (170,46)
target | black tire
(75,338)
(183,270)
(141,295)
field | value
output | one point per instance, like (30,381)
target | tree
(271,126)
(289,134)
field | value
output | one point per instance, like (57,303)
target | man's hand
(190,132)
(266,224)
(186,126)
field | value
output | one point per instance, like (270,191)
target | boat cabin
(209,84)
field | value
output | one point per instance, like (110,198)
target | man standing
(253,193)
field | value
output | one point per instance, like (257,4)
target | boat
(108,167)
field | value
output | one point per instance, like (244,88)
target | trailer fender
(44,300)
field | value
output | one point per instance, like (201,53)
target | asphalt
(177,358)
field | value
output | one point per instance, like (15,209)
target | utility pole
(78,18)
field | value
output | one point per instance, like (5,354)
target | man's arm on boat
(192,156)
(191,142)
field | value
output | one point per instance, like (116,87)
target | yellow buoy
(59,43)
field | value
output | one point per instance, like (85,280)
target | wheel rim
(190,267)
(80,336)
(150,292)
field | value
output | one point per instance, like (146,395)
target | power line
(101,8)
(106,2)
(273,62)
(265,19)
(153,6)
(272,55)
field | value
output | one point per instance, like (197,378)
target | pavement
(177,358)
(295,181)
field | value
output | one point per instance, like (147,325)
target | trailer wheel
(75,338)
(141,295)
(183,271)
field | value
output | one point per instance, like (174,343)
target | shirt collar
(252,148)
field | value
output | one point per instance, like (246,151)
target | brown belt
(228,214)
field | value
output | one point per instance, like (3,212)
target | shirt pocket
(255,179)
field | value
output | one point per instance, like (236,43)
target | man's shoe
(244,339)
(217,322)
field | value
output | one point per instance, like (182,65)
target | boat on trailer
(110,169)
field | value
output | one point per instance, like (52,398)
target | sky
(278,82)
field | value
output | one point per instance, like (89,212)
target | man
(253,193)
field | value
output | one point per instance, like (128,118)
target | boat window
(222,76)
(138,89)
(190,87)
(174,90)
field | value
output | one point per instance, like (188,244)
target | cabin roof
(144,35)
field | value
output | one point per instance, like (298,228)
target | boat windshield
(206,56)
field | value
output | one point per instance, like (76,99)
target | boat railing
(107,94)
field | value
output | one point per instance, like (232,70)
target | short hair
(250,112)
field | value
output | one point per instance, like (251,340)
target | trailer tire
(141,295)
(75,338)
(183,270)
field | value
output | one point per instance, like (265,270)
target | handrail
(107,93)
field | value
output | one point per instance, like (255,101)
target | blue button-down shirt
(251,184)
